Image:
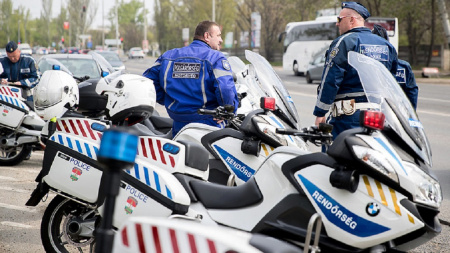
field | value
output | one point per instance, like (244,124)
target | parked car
(136,52)
(93,65)
(316,66)
(25,48)
(73,50)
(41,50)
(113,58)
(51,50)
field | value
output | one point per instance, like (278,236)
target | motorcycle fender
(38,193)
(370,216)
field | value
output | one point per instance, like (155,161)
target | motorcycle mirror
(325,128)
(229,108)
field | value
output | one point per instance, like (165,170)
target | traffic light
(121,39)
(62,40)
(84,8)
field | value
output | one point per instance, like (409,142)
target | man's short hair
(203,27)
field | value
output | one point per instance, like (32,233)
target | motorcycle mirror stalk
(118,149)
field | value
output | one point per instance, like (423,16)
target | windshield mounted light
(268,103)
(372,120)
(56,67)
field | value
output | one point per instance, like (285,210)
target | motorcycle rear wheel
(10,156)
(57,232)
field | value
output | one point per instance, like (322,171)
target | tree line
(419,21)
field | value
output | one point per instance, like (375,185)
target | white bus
(304,39)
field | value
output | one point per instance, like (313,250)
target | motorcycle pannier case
(13,109)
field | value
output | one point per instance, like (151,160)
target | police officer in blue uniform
(19,69)
(193,77)
(341,90)
(404,76)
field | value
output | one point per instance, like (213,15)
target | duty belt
(349,107)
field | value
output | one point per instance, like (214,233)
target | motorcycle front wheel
(10,156)
(68,226)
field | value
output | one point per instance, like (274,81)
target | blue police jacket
(339,79)
(193,77)
(24,71)
(405,77)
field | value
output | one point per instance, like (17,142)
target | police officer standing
(341,90)
(19,69)
(193,77)
(404,76)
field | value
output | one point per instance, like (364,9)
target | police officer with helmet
(340,90)
(19,69)
(404,76)
(193,77)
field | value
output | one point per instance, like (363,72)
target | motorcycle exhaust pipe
(12,142)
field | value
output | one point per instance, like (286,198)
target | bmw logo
(372,209)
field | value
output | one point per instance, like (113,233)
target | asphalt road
(20,225)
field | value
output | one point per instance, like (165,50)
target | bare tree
(81,14)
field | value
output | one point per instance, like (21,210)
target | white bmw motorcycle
(20,127)
(373,189)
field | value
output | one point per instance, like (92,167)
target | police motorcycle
(236,153)
(374,189)
(19,125)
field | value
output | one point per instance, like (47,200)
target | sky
(35,9)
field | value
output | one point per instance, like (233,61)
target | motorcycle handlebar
(206,112)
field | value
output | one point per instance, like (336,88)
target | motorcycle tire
(56,226)
(14,155)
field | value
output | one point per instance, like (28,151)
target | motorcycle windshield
(273,87)
(49,64)
(381,88)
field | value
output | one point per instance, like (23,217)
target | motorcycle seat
(215,196)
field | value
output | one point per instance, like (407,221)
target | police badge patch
(334,52)
(226,65)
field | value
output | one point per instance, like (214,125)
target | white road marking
(15,224)
(18,208)
(7,178)
(434,113)
(419,111)
(435,99)
(3,188)
(21,170)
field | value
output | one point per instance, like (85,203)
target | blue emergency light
(119,145)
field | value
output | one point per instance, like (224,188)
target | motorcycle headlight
(377,161)
(269,132)
(427,190)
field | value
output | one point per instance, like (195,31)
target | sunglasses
(339,19)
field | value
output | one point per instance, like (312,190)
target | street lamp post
(214,10)
(18,31)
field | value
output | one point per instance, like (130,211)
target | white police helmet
(131,98)
(56,92)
